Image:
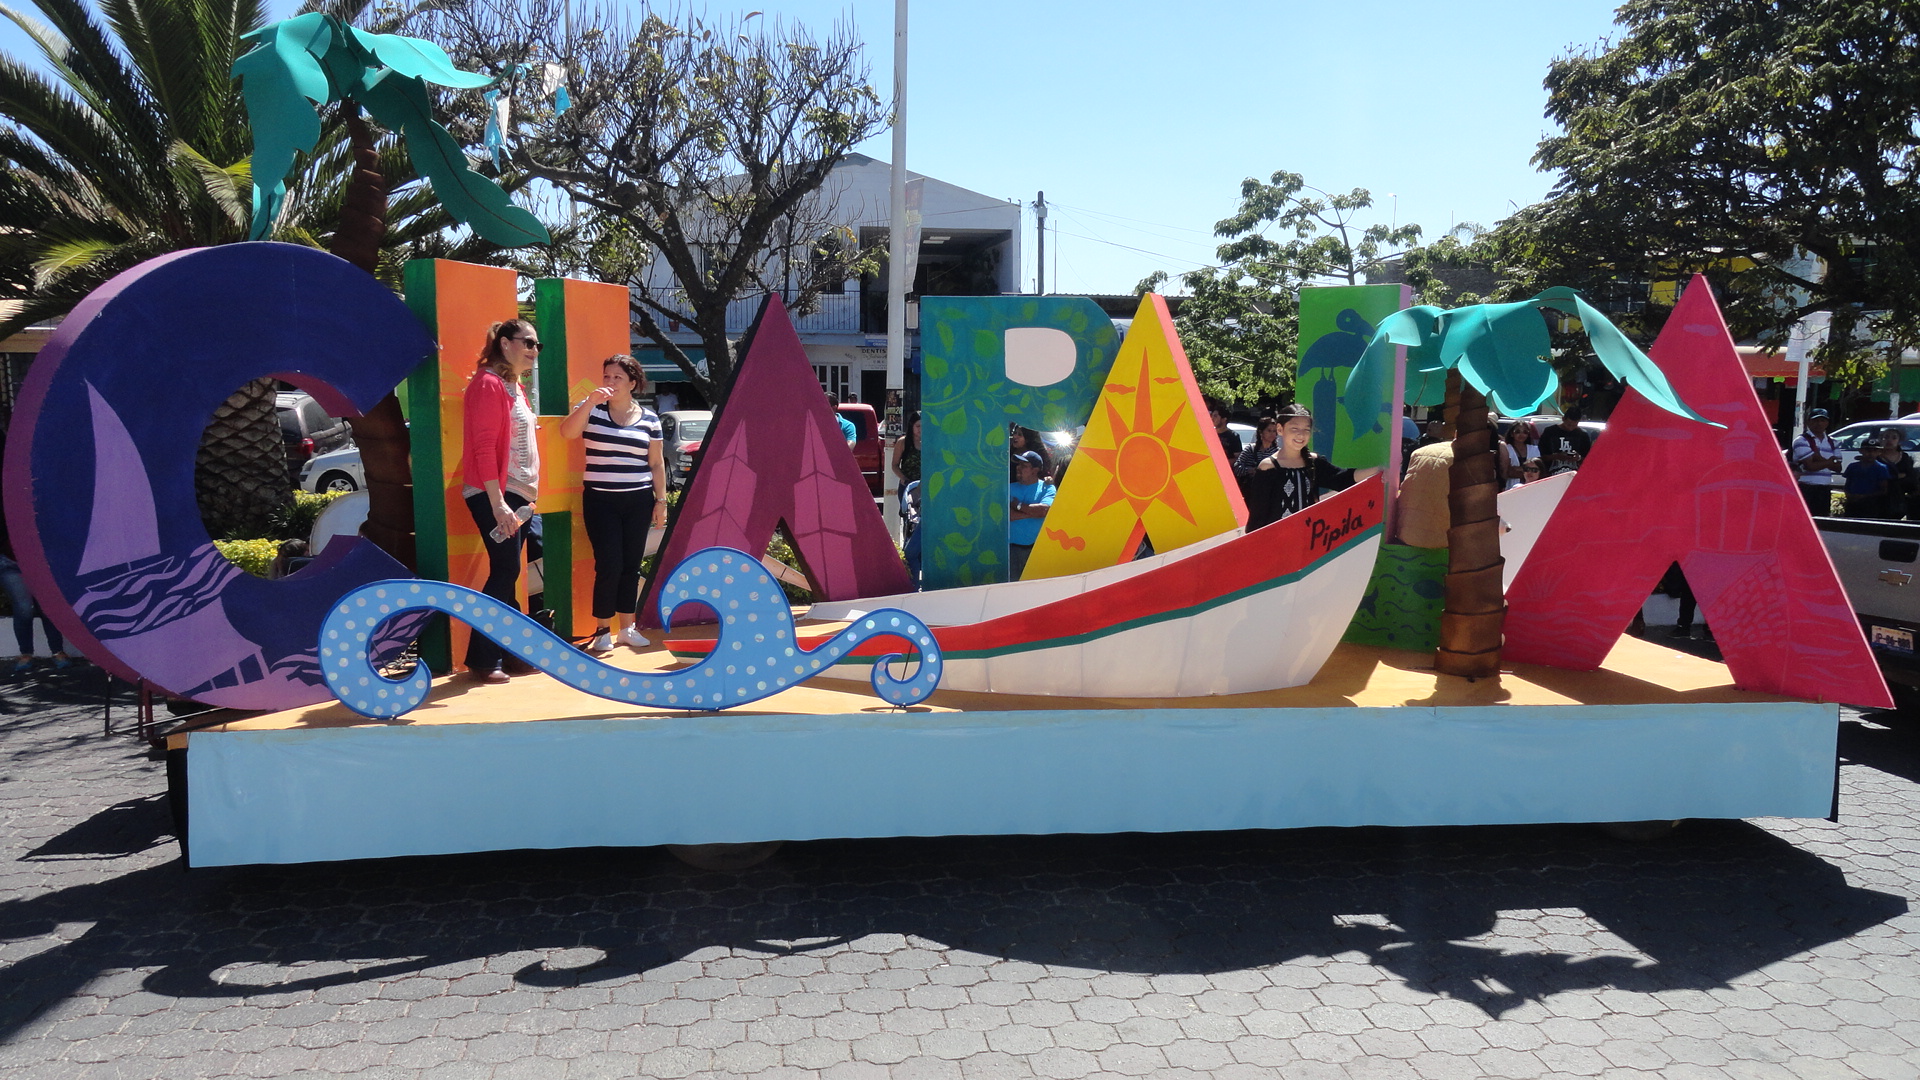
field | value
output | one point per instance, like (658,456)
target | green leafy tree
(1772,147)
(1240,320)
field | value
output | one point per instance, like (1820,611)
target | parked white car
(1847,441)
(337,470)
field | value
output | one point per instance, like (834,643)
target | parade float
(1294,675)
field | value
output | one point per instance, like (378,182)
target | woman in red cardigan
(501,467)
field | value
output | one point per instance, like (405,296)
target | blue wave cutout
(758,653)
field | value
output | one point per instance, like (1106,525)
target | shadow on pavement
(1434,907)
(124,829)
(1888,741)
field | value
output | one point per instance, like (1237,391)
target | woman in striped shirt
(625,469)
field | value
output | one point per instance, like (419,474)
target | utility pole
(898,273)
(1040,213)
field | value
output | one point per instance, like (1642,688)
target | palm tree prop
(317,58)
(1498,353)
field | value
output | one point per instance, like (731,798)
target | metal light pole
(898,271)
(1040,224)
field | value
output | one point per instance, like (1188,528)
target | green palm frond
(226,189)
(59,260)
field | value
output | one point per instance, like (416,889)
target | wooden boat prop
(1260,611)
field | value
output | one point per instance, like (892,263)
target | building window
(834,378)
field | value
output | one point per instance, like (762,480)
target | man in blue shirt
(847,430)
(1867,484)
(1029,499)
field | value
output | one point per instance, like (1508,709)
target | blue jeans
(24,609)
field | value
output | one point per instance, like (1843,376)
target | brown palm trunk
(1475,602)
(382,433)
(240,474)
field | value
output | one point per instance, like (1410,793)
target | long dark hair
(491,356)
(1260,427)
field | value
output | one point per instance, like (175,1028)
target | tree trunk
(240,473)
(1475,601)
(382,433)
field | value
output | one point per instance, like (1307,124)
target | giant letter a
(1659,489)
(775,454)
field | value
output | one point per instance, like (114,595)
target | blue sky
(1139,120)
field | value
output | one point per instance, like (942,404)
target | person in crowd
(1564,446)
(500,464)
(293,557)
(1530,471)
(1866,484)
(1520,447)
(1900,478)
(1246,467)
(1229,438)
(1436,433)
(25,611)
(906,464)
(1025,440)
(1675,584)
(847,430)
(1814,460)
(910,518)
(1029,499)
(626,470)
(1291,478)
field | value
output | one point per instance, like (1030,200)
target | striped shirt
(617,457)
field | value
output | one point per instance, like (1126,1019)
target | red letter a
(1660,489)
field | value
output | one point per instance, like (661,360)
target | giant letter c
(99,469)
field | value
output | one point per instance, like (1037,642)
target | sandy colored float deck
(1636,673)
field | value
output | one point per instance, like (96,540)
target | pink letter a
(1660,489)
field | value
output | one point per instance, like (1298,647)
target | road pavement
(1768,948)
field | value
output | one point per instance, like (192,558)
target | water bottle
(500,532)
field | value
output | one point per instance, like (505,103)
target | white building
(969,246)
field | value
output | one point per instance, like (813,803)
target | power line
(1137,221)
(1102,225)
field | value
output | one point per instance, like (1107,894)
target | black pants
(617,523)
(1819,499)
(503,574)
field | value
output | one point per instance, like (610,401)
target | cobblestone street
(1747,949)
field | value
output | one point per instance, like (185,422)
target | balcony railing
(832,313)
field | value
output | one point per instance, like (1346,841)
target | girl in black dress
(1287,477)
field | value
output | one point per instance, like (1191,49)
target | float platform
(1376,739)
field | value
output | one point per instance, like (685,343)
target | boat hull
(1262,611)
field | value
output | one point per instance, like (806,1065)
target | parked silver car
(683,430)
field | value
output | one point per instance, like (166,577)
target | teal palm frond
(1501,350)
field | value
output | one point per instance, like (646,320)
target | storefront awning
(1767,363)
(653,361)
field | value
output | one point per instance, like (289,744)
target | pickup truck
(1879,566)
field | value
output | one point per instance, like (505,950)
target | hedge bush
(254,556)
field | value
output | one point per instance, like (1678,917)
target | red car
(867,449)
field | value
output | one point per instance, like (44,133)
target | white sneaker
(602,642)
(633,637)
